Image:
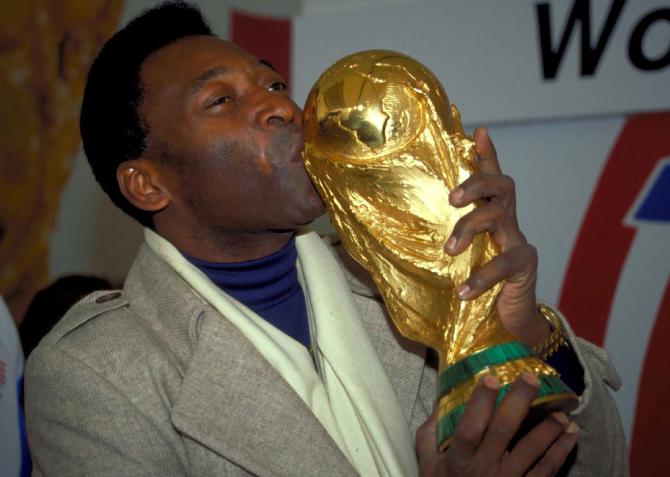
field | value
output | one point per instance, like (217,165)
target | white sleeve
(10,343)
(11,359)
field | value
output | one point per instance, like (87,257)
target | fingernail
(457,193)
(451,243)
(561,418)
(491,382)
(573,428)
(463,291)
(530,378)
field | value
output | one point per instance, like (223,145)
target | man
(238,345)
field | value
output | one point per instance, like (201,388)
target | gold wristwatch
(556,339)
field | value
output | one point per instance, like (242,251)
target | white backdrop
(487,54)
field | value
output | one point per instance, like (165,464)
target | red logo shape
(595,268)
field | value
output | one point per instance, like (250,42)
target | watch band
(556,339)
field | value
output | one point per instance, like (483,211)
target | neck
(226,247)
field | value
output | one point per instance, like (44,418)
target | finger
(487,157)
(490,218)
(426,449)
(535,444)
(554,458)
(484,186)
(508,417)
(470,429)
(512,265)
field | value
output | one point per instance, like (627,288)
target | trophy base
(506,361)
(540,408)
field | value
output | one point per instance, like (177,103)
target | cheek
(230,160)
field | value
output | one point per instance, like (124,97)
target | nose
(276,109)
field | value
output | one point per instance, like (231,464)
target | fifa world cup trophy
(384,147)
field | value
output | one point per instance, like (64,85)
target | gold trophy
(384,147)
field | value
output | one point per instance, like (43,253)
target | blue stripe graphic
(656,205)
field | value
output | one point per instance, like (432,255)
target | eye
(278,86)
(219,101)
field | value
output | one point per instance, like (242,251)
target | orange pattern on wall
(46,48)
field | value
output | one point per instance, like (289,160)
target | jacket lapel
(231,400)
(235,403)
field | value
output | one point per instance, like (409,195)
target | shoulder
(149,317)
(103,334)
(99,317)
(89,332)
(103,350)
(143,333)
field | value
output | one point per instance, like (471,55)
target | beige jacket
(152,381)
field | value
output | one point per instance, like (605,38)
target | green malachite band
(471,365)
(447,424)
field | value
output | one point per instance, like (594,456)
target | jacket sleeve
(79,423)
(601,447)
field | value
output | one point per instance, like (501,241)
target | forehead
(180,63)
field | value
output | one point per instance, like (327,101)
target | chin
(305,202)
(311,210)
(310,217)
(319,207)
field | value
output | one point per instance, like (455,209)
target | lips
(296,151)
(285,146)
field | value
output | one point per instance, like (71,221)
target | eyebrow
(207,76)
(219,71)
(268,64)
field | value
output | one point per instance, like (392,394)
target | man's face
(226,138)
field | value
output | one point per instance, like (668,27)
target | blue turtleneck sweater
(268,285)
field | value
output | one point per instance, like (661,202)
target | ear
(141,184)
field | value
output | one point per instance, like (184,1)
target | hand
(482,437)
(517,261)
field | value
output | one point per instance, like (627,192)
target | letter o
(635,53)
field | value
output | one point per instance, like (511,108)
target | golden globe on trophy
(384,147)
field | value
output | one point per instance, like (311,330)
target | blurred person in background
(14,457)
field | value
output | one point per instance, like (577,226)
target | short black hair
(112,129)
